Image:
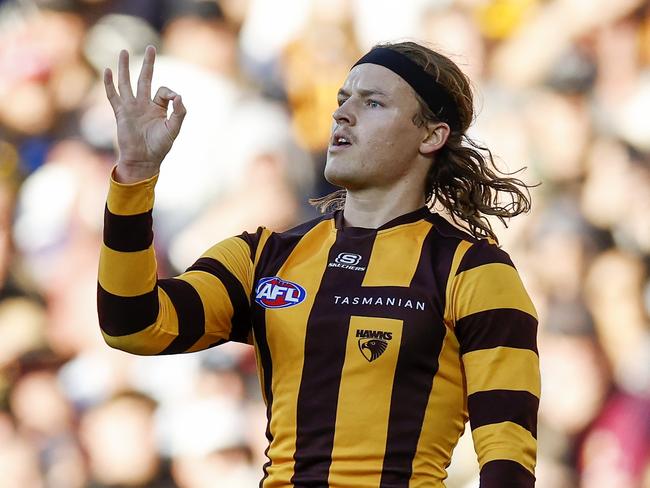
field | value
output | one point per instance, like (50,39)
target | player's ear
(435,136)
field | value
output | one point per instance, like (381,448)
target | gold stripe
(395,255)
(155,338)
(204,342)
(131,199)
(285,335)
(264,237)
(234,254)
(488,287)
(505,440)
(502,368)
(461,249)
(444,419)
(217,307)
(364,407)
(127,274)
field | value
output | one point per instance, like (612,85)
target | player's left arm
(496,325)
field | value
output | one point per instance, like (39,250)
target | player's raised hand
(144,132)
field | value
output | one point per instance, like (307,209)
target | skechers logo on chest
(347,260)
(274,292)
(373,343)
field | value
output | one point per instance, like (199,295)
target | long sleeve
(496,325)
(139,313)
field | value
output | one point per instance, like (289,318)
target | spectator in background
(314,65)
(205,434)
(119,438)
(202,24)
(19,464)
(45,419)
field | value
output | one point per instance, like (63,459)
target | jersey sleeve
(206,305)
(496,326)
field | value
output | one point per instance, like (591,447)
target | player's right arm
(139,313)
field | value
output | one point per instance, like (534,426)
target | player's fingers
(163,96)
(176,119)
(146,73)
(109,86)
(123,76)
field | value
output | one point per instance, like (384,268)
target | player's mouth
(339,143)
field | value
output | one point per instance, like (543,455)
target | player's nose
(344,114)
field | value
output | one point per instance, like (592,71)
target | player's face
(374,142)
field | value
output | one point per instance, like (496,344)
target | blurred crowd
(562,88)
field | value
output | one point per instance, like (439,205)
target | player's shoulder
(475,251)
(263,233)
(265,238)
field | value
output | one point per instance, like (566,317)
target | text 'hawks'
(374,334)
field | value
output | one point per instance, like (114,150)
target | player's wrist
(129,172)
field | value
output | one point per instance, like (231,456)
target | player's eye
(372,103)
(341,101)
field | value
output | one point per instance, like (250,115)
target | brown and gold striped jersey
(374,346)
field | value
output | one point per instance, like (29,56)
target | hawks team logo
(274,292)
(373,343)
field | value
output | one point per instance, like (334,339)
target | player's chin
(337,171)
(342,179)
(344,169)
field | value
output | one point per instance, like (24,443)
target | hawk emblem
(372,348)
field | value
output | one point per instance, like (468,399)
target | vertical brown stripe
(444,419)
(191,316)
(321,376)
(277,249)
(417,364)
(259,332)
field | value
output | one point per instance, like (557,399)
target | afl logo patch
(274,292)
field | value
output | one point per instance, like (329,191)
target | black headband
(434,94)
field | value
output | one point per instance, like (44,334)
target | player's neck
(373,208)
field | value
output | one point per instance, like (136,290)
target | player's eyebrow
(364,92)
